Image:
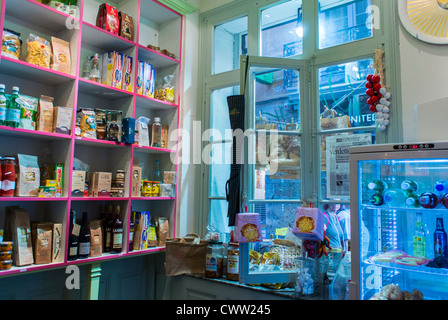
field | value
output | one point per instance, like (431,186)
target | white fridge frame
(390,151)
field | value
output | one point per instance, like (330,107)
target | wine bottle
(108,230)
(440,239)
(131,232)
(84,238)
(73,237)
(117,232)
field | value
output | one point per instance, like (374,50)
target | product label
(118,240)
(73,251)
(233,265)
(84,248)
(76,229)
(13,115)
(2,110)
(8,185)
(211,262)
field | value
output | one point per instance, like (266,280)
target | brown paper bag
(185,255)
(18,230)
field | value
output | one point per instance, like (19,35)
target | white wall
(424,70)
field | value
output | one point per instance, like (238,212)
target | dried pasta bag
(28,112)
(61,55)
(88,123)
(309,224)
(38,51)
(11,44)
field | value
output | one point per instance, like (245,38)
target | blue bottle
(440,239)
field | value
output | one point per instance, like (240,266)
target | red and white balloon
(378,100)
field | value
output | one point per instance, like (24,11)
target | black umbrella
(236,105)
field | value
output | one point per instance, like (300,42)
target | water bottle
(13,110)
(428,200)
(409,187)
(440,188)
(2,105)
(444,200)
(378,185)
(412,201)
(394,198)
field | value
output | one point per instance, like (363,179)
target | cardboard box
(248,228)
(62,120)
(148,81)
(117,79)
(140,74)
(78,183)
(101,184)
(136,180)
(108,68)
(127,73)
(309,224)
(57,248)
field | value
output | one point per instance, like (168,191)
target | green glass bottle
(13,111)
(3,106)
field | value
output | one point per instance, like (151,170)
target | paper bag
(185,255)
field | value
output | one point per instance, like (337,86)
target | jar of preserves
(155,188)
(8,177)
(1,177)
(214,260)
(233,262)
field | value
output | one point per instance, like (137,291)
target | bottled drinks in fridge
(379,186)
(419,239)
(440,239)
(428,200)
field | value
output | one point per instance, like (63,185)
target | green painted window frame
(384,38)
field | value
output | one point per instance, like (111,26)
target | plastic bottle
(3,107)
(394,198)
(440,188)
(419,238)
(95,70)
(378,186)
(412,201)
(156,138)
(409,187)
(377,199)
(157,173)
(428,200)
(13,111)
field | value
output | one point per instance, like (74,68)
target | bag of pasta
(11,44)
(38,51)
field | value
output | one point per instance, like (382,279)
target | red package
(107,18)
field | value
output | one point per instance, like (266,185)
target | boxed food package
(59,174)
(18,231)
(148,81)
(62,120)
(126,26)
(101,184)
(117,80)
(96,238)
(28,178)
(47,192)
(169,177)
(140,75)
(78,183)
(108,68)
(127,73)
(108,19)
(61,55)
(42,234)
(45,114)
(57,248)
(128,130)
(142,131)
(309,224)
(136,180)
(248,228)
(28,111)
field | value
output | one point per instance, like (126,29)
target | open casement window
(276,174)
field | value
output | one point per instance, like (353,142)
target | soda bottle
(394,198)
(378,185)
(440,239)
(377,199)
(409,187)
(419,239)
(412,201)
(13,111)
(2,105)
(428,200)
(440,188)
(444,200)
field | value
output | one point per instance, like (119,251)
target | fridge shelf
(418,269)
(420,209)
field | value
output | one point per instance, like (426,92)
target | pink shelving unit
(154,24)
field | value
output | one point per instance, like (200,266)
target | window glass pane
(335,175)
(342,91)
(229,42)
(277,169)
(219,161)
(282,30)
(218,216)
(219,112)
(343,21)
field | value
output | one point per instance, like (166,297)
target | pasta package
(309,224)
(38,51)
(61,55)
(88,123)
(28,112)
(11,44)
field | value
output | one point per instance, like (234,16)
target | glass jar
(233,262)
(155,189)
(8,177)
(214,260)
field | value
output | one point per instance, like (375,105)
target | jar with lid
(214,260)
(1,177)
(8,177)
(306,278)
(233,262)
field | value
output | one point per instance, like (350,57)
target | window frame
(385,38)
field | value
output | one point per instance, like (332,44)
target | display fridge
(399,216)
